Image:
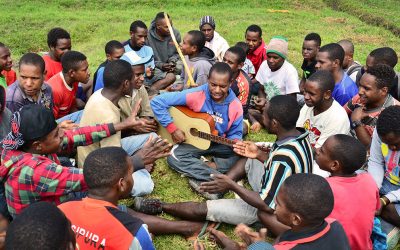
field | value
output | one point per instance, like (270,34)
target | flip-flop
(197,245)
(203,231)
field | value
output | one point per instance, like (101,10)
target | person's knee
(143,184)
(170,78)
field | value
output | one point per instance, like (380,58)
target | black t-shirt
(308,70)
(334,239)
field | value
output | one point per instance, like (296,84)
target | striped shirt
(286,158)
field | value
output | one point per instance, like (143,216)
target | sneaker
(147,206)
(195,185)
(393,234)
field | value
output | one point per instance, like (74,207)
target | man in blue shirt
(330,57)
(135,48)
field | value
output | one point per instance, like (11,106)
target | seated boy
(122,231)
(291,154)
(41,226)
(303,203)
(30,87)
(257,53)
(214,41)
(59,42)
(383,163)
(7,75)
(330,57)
(75,70)
(166,57)
(114,50)
(215,98)
(107,104)
(240,84)
(30,168)
(356,195)
(136,48)
(248,66)
(276,74)
(387,56)
(311,45)
(373,97)
(198,58)
(350,66)
(322,116)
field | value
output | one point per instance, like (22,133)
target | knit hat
(279,46)
(207,19)
(30,123)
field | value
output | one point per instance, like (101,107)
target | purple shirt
(16,98)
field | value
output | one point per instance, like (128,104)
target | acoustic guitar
(199,128)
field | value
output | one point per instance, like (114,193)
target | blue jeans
(185,159)
(142,182)
(74,117)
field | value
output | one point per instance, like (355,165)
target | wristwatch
(355,124)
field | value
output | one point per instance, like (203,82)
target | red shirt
(356,200)
(258,56)
(52,67)
(63,95)
(10,76)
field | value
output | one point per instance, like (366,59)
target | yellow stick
(171,31)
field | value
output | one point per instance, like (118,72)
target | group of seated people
(73,146)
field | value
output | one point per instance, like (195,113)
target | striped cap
(207,19)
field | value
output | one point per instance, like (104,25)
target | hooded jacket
(5,115)
(199,66)
(228,115)
(164,50)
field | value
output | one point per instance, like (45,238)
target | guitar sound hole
(194,132)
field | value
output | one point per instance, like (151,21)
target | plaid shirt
(29,178)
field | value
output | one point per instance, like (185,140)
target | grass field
(24,25)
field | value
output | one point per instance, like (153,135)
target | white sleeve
(260,76)
(292,81)
(376,162)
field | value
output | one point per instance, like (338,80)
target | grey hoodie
(164,50)
(199,66)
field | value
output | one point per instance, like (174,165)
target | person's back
(328,236)
(97,220)
(121,231)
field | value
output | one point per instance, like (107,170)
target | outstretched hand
(246,148)
(154,149)
(68,125)
(220,184)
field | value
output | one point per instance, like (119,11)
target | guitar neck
(216,138)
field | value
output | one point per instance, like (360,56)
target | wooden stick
(187,69)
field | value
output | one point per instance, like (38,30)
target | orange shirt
(99,224)
(52,67)
(63,95)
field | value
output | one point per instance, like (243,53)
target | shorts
(388,187)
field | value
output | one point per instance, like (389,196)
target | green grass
(24,25)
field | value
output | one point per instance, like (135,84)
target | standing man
(214,41)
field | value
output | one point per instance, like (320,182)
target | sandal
(203,231)
(147,206)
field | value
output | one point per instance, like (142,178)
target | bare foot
(222,240)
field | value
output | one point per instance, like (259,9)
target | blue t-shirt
(143,52)
(344,90)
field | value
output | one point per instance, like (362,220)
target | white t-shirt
(330,122)
(281,82)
